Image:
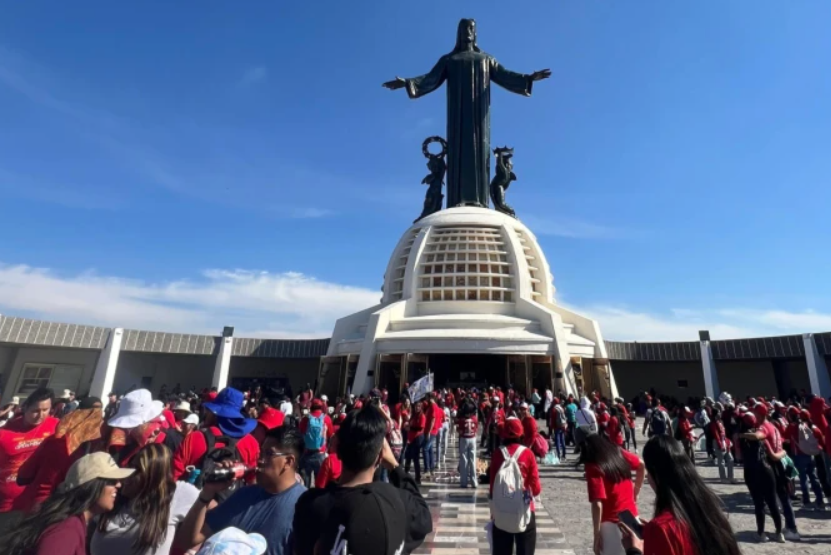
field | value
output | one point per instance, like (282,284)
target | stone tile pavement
(564,521)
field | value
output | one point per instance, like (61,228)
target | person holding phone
(689,519)
(611,491)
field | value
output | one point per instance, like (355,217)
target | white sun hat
(191,419)
(136,408)
(183,406)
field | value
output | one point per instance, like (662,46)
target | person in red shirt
(415,438)
(435,418)
(495,424)
(529,426)
(467,424)
(603,417)
(684,432)
(77,434)
(331,468)
(140,421)
(614,428)
(59,527)
(317,429)
(800,431)
(689,517)
(19,439)
(722,447)
(503,542)
(269,419)
(611,491)
(223,418)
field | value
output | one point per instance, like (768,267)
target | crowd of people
(261,471)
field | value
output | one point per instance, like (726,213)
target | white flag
(421,388)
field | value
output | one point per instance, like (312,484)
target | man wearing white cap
(141,419)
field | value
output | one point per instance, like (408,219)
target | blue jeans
(441,445)
(427,449)
(467,462)
(560,443)
(310,463)
(808,472)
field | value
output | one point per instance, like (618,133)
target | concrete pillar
(708,365)
(223,359)
(817,370)
(104,375)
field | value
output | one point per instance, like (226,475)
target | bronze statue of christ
(468,72)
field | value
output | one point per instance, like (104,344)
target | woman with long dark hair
(152,505)
(59,526)
(611,491)
(689,519)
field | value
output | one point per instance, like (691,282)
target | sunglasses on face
(271,454)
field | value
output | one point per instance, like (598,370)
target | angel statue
(435,179)
(502,179)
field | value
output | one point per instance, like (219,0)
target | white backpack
(808,443)
(510,503)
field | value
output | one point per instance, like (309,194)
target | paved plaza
(564,520)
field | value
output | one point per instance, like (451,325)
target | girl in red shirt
(415,441)
(609,481)
(689,519)
(684,433)
(614,428)
(503,542)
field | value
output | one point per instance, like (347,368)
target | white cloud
(254,75)
(257,303)
(682,324)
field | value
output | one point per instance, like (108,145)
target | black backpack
(215,455)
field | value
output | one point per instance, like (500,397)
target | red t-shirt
(603,420)
(169,417)
(527,465)
(18,442)
(529,430)
(330,471)
(616,497)
(44,471)
(614,431)
(67,538)
(772,437)
(194,448)
(328,428)
(468,426)
(418,421)
(666,535)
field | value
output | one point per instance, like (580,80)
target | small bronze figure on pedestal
(502,180)
(434,180)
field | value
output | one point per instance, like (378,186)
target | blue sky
(190,165)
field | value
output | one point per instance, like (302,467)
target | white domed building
(468,295)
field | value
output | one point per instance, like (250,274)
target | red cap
(271,418)
(601,407)
(212,395)
(760,411)
(318,404)
(556,400)
(359,405)
(341,417)
(749,419)
(793,411)
(804,415)
(513,429)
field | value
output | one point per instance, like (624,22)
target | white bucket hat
(233,541)
(136,408)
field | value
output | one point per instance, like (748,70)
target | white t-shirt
(286,408)
(122,530)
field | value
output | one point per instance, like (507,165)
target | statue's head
(466,35)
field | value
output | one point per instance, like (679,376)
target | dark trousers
(708,440)
(526,542)
(413,455)
(570,433)
(633,435)
(761,483)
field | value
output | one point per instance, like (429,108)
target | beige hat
(92,466)
(183,406)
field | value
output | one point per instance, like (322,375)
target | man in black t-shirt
(373,516)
